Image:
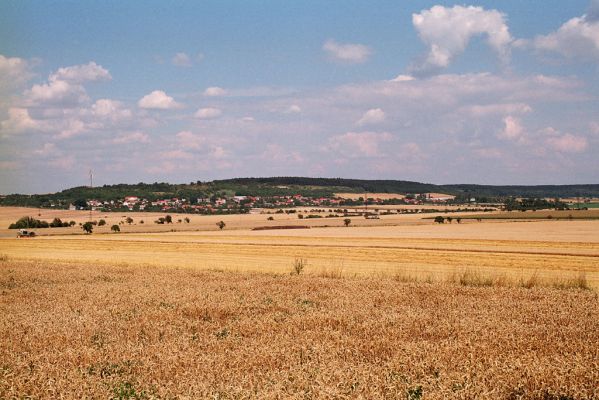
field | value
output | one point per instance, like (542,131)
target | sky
(486,92)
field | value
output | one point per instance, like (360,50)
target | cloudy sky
(484,92)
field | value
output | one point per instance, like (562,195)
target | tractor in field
(24,233)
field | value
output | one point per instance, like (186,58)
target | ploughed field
(75,330)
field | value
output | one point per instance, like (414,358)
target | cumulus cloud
(159,100)
(512,130)
(208,113)
(89,72)
(578,38)
(14,71)
(110,109)
(347,53)
(19,121)
(181,60)
(214,91)
(448,30)
(371,117)
(132,137)
(56,92)
(568,143)
(65,86)
(358,144)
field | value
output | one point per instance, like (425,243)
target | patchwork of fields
(402,308)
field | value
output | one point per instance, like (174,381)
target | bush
(88,227)
(439,220)
(101,222)
(115,228)
(28,223)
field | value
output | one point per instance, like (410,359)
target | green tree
(129,220)
(115,228)
(101,222)
(88,227)
(221,225)
(347,221)
(449,219)
(168,219)
(440,220)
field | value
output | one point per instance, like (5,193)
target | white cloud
(214,91)
(158,100)
(133,137)
(57,92)
(358,144)
(293,109)
(402,78)
(73,127)
(111,109)
(371,117)
(189,140)
(568,143)
(577,38)
(65,87)
(14,71)
(512,129)
(347,53)
(181,60)
(447,32)
(19,121)
(89,72)
(208,113)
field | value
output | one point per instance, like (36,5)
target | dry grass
(101,331)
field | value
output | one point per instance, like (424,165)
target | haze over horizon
(431,91)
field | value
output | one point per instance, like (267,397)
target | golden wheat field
(80,330)
(401,308)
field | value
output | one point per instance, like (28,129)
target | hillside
(285,186)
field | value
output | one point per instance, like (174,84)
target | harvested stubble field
(550,252)
(75,331)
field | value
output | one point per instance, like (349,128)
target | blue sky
(443,92)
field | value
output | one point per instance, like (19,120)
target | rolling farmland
(398,308)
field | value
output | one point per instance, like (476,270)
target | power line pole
(91,185)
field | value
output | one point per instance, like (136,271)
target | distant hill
(281,186)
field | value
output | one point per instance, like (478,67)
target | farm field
(512,252)
(75,330)
(197,222)
(402,308)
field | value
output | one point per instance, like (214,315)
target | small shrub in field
(299,265)
(115,228)
(439,220)
(221,225)
(414,393)
(101,222)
